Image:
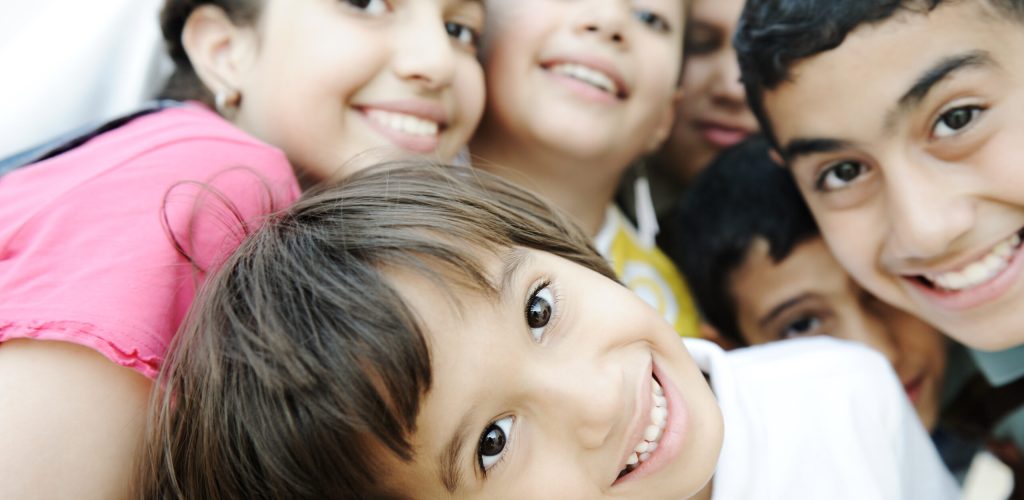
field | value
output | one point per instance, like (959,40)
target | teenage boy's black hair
(774,35)
(741,196)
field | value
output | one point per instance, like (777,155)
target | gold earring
(226,100)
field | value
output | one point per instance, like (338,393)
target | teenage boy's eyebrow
(808,146)
(931,77)
(781,308)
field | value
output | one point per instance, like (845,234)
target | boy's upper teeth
(654,430)
(587,75)
(401,122)
(979,271)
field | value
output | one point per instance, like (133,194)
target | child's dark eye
(840,175)
(655,21)
(372,7)
(463,34)
(802,327)
(700,41)
(952,121)
(492,443)
(539,309)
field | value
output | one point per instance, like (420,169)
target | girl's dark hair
(300,369)
(184,83)
(740,197)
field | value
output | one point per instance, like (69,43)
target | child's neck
(582,188)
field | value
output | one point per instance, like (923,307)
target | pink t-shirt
(86,254)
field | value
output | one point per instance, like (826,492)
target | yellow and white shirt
(647,271)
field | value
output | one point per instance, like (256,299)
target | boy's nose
(727,88)
(604,18)
(928,214)
(588,404)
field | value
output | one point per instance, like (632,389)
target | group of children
(412,330)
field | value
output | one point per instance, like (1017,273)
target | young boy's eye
(802,327)
(492,443)
(372,7)
(700,42)
(653,20)
(840,175)
(952,121)
(463,34)
(539,310)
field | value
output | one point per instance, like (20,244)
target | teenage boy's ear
(711,333)
(219,50)
(666,120)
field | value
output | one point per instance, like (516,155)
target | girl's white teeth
(587,75)
(401,122)
(653,431)
(981,271)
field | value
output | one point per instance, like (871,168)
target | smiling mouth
(977,273)
(589,76)
(404,123)
(652,433)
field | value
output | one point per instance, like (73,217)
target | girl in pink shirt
(93,275)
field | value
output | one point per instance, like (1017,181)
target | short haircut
(774,35)
(740,197)
(300,368)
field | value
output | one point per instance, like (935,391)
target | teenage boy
(903,125)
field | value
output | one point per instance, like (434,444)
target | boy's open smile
(983,278)
(659,429)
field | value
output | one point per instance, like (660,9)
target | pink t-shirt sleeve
(86,248)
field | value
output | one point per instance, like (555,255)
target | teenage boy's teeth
(982,270)
(587,75)
(401,122)
(653,431)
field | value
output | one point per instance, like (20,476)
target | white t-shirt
(68,63)
(818,418)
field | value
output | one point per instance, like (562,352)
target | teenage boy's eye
(652,20)
(492,443)
(805,326)
(539,310)
(462,33)
(840,175)
(699,42)
(372,7)
(955,119)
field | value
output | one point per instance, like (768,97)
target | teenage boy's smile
(913,171)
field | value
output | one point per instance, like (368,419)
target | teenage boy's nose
(604,18)
(582,401)
(425,56)
(928,213)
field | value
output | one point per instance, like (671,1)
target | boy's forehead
(856,89)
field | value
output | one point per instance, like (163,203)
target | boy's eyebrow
(806,146)
(911,98)
(931,77)
(779,309)
(450,473)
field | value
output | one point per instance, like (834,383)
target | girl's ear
(220,51)
(667,120)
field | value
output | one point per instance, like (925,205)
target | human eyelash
(506,448)
(555,303)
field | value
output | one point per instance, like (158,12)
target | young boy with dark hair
(760,272)
(903,125)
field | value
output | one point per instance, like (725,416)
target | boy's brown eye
(539,313)
(539,310)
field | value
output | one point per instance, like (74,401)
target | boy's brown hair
(300,369)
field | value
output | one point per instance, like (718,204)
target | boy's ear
(776,157)
(219,50)
(667,120)
(711,333)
